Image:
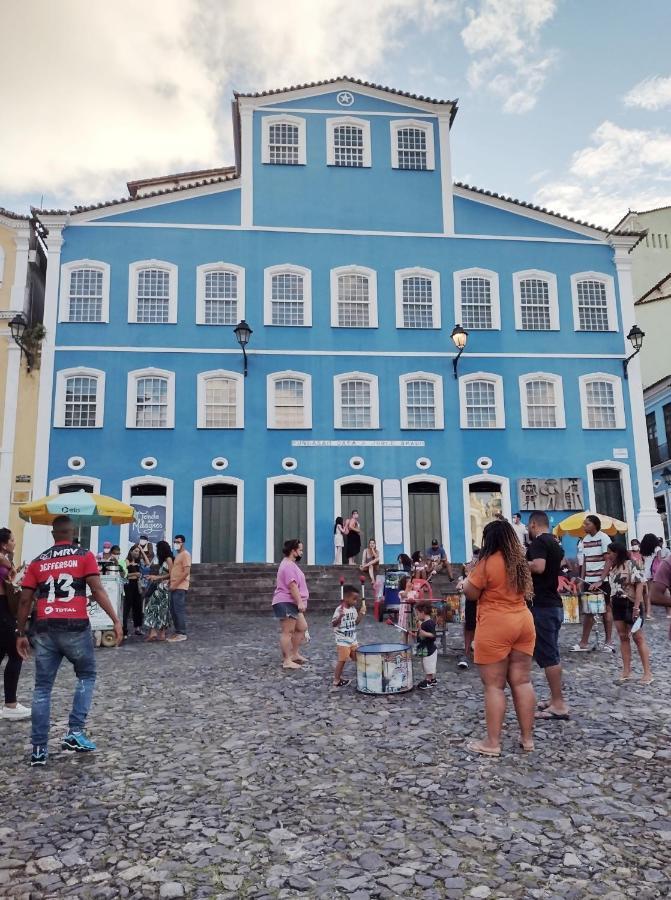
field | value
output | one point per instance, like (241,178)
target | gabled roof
(666,293)
(327,81)
(640,212)
(8,214)
(199,176)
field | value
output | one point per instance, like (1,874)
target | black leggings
(132,600)
(12,671)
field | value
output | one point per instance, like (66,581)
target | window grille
(86,295)
(287,303)
(480,404)
(592,306)
(600,399)
(421,404)
(81,396)
(535,304)
(411,148)
(153,296)
(283,144)
(348,145)
(476,302)
(289,403)
(221,298)
(353,301)
(541,404)
(417,302)
(355,400)
(151,406)
(220,403)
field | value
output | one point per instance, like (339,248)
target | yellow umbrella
(81,507)
(573,525)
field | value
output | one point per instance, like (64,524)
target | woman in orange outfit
(505,636)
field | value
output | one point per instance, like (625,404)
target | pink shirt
(288,572)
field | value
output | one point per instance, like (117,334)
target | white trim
(504,484)
(434,277)
(9,409)
(66,275)
(557,382)
(201,384)
(131,396)
(134,270)
(283,119)
(2,275)
(397,125)
(360,112)
(497,381)
(62,377)
(273,377)
(332,124)
(618,401)
(126,487)
(205,269)
(75,478)
(374,399)
(197,525)
(611,306)
(309,542)
(446,186)
(439,410)
(627,494)
(292,269)
(553,297)
(246,166)
(353,269)
(444,510)
(357,478)
(493,278)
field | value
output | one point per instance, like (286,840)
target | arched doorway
(289,514)
(609,490)
(425,513)
(218,519)
(485,497)
(85,533)
(362,492)
(151,496)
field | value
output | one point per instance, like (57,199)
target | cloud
(651,93)
(503,38)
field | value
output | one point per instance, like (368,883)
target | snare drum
(593,603)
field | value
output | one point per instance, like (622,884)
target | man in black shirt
(545,555)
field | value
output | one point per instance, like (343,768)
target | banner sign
(150,519)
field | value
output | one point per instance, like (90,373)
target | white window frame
(437,382)
(332,124)
(560,412)
(611,305)
(133,271)
(206,269)
(493,290)
(64,300)
(131,394)
(374,399)
(497,381)
(267,121)
(291,269)
(371,274)
(271,379)
(201,415)
(618,399)
(553,297)
(59,400)
(397,125)
(400,275)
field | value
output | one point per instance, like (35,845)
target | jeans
(50,648)
(178,610)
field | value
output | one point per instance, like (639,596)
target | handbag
(12,593)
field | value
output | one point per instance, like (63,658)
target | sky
(564,103)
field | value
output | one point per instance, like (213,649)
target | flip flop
(646,682)
(578,649)
(476,747)
(553,716)
(527,749)
(624,679)
(543,704)
(342,682)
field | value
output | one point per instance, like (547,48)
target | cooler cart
(390,599)
(101,624)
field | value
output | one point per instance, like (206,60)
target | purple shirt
(663,574)
(288,572)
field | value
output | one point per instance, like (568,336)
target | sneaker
(176,638)
(39,756)
(433,683)
(463,663)
(15,712)
(77,741)
(138,632)
(423,685)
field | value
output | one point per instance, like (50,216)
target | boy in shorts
(426,645)
(345,619)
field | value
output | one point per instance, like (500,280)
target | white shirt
(592,551)
(521,532)
(345,633)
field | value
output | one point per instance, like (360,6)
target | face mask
(177,547)
(299,558)
(143,543)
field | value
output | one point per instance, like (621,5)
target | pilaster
(446,172)
(247,165)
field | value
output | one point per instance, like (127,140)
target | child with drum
(345,619)
(426,645)
(626,593)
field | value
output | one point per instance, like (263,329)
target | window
(288,296)
(542,401)
(283,140)
(220,294)
(481,401)
(348,142)
(417,298)
(536,301)
(412,145)
(601,401)
(666,411)
(476,299)
(421,400)
(653,440)
(289,400)
(84,294)
(593,302)
(153,292)
(356,401)
(150,399)
(220,399)
(353,297)
(80,398)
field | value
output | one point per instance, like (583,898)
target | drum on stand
(571,609)
(593,603)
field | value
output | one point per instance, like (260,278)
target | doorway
(358,495)
(219,523)
(608,496)
(485,505)
(424,514)
(83,532)
(290,515)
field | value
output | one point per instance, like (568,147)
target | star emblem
(345,98)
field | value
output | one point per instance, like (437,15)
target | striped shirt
(592,551)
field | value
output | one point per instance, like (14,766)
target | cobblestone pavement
(218,775)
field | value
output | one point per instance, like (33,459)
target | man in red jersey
(57,580)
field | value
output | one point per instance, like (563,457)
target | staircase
(248,587)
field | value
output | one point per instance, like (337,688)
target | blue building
(341,239)
(658,424)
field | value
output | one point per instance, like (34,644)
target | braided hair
(499,537)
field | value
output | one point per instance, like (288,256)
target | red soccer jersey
(58,577)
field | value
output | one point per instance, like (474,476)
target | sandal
(551,714)
(576,648)
(646,681)
(477,747)
(528,748)
(342,682)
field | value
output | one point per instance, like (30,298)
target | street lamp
(242,333)
(666,475)
(635,337)
(17,328)
(459,336)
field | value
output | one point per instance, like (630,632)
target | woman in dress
(132,600)
(11,709)
(290,601)
(370,561)
(338,541)
(627,583)
(352,537)
(157,606)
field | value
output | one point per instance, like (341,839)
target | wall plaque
(550,493)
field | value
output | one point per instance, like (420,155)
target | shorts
(346,651)
(548,620)
(285,610)
(623,610)
(430,663)
(498,633)
(470,614)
